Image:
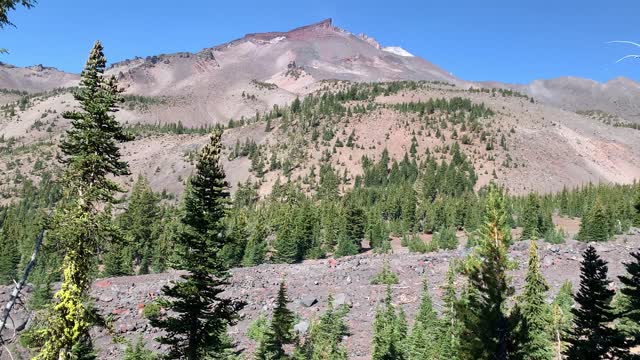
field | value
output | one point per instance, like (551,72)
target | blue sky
(511,41)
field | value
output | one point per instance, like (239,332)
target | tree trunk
(6,311)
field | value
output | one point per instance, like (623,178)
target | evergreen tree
(9,259)
(280,332)
(139,223)
(592,336)
(78,227)
(596,225)
(9,5)
(329,185)
(534,313)
(386,276)
(631,293)
(324,341)
(286,245)
(117,260)
(138,352)
(387,336)
(42,278)
(424,339)
(237,238)
(487,329)
(346,247)
(198,328)
(561,318)
(355,223)
(535,221)
(451,327)
(256,249)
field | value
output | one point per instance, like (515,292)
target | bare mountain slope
(34,78)
(275,67)
(547,144)
(535,146)
(619,97)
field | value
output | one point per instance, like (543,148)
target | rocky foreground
(310,283)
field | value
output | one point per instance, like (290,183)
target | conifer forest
(417,180)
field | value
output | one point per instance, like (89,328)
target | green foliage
(597,224)
(198,328)
(389,332)
(256,249)
(258,328)
(636,206)
(445,239)
(451,323)
(176,128)
(535,220)
(533,313)
(9,5)
(561,318)
(386,276)
(138,352)
(151,311)
(140,224)
(592,337)
(487,328)
(416,244)
(78,227)
(9,259)
(628,305)
(554,236)
(475,111)
(280,331)
(42,278)
(324,341)
(426,336)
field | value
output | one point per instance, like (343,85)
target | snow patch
(276,40)
(398,51)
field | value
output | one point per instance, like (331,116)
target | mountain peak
(299,32)
(324,24)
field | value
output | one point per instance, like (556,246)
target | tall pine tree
(197,330)
(631,292)
(79,226)
(487,329)
(534,313)
(592,336)
(451,326)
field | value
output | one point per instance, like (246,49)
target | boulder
(301,328)
(309,301)
(342,299)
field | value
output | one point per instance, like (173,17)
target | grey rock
(301,328)
(342,299)
(309,301)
